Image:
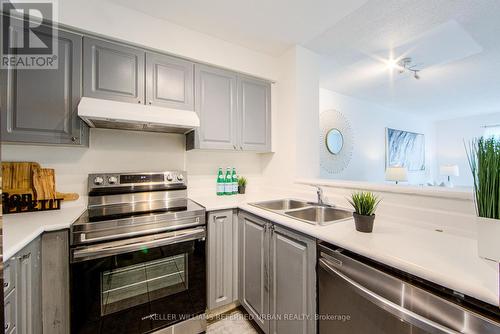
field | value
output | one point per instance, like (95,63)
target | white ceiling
(455,41)
(268,26)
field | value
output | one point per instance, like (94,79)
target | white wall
(451,135)
(118,150)
(307,94)
(368,122)
(103,17)
(296,121)
(110,150)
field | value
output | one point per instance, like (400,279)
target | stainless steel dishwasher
(356,297)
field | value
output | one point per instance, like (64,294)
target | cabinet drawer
(9,276)
(10,312)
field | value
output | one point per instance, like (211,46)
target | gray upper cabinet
(169,82)
(216,105)
(254,106)
(40,106)
(220,258)
(253,268)
(234,110)
(293,283)
(113,71)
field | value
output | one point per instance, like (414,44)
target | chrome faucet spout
(319,193)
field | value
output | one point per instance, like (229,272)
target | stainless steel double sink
(308,212)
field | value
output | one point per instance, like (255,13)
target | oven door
(138,285)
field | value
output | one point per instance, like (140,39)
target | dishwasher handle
(397,310)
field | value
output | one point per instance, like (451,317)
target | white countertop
(445,259)
(19,229)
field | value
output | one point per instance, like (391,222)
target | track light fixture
(404,65)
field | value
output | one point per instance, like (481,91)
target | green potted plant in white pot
(484,161)
(364,204)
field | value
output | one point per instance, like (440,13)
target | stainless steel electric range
(138,256)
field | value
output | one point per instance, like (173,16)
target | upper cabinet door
(40,106)
(254,104)
(112,71)
(169,82)
(215,103)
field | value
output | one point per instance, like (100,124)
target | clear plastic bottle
(220,183)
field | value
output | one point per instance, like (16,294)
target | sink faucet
(319,192)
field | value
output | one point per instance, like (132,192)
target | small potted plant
(364,204)
(484,161)
(242,184)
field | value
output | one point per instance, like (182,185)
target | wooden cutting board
(44,183)
(17,176)
(29,178)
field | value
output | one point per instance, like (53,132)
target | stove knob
(112,180)
(180,177)
(98,181)
(169,177)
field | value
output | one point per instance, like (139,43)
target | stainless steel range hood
(98,113)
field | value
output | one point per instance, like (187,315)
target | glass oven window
(126,287)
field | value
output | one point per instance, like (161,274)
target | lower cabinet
(253,264)
(277,269)
(221,258)
(23,299)
(55,273)
(36,287)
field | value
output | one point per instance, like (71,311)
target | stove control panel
(108,180)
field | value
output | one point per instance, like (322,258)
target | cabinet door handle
(139,101)
(234,146)
(73,139)
(7,326)
(219,217)
(266,267)
(6,285)
(241,147)
(150,103)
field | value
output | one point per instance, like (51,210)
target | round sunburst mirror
(337,141)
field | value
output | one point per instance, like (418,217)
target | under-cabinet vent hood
(98,113)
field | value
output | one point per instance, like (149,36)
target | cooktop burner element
(122,205)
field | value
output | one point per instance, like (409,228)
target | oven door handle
(130,245)
(397,310)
